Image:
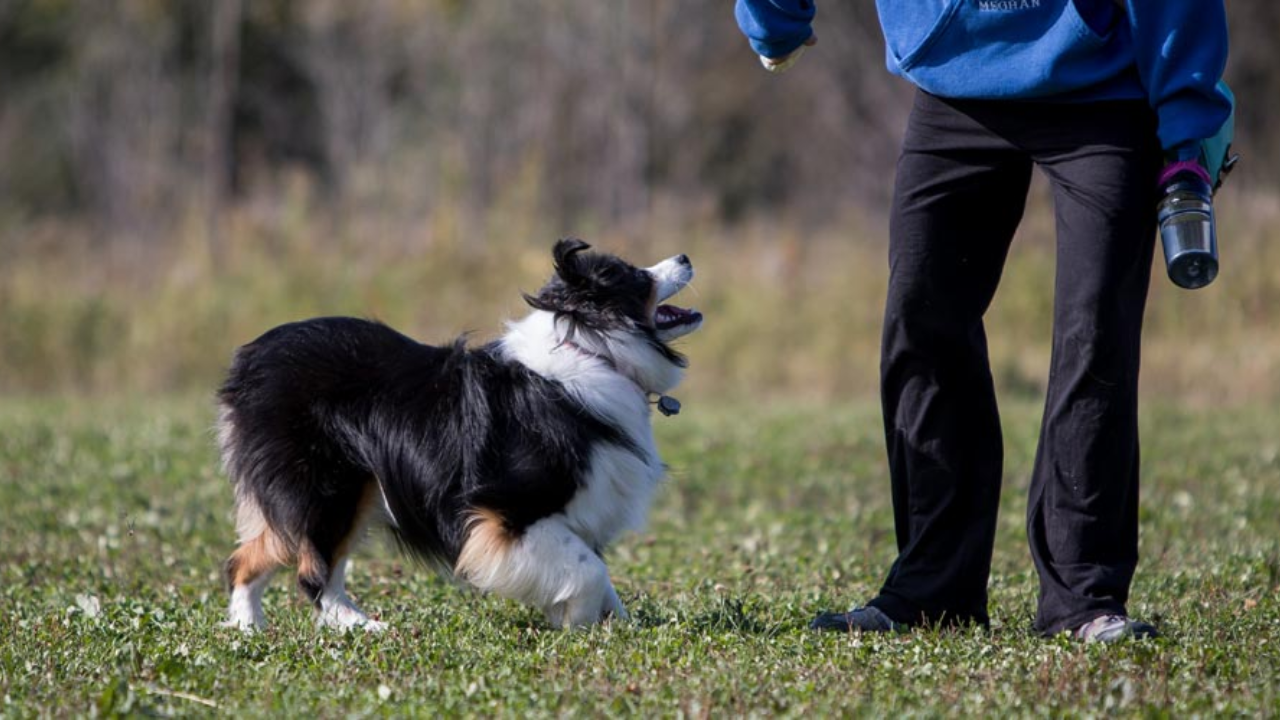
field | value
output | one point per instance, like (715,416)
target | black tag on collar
(668,405)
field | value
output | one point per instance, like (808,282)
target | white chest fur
(620,482)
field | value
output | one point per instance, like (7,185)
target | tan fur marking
(259,555)
(487,543)
(310,565)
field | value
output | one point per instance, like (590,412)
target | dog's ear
(543,301)
(566,257)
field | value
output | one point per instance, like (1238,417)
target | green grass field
(115,522)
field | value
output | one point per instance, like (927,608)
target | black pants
(961,186)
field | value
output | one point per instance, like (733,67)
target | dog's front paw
(582,612)
(613,609)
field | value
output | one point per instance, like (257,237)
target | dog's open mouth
(673,322)
(670,317)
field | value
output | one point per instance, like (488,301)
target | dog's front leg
(587,598)
(550,567)
(594,602)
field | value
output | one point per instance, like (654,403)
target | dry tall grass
(789,312)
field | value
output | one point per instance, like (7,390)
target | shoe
(1110,628)
(863,619)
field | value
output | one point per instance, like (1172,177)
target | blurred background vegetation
(178,175)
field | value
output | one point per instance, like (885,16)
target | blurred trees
(129,114)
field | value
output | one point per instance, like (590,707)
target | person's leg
(1082,515)
(958,198)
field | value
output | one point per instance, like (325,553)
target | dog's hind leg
(337,610)
(248,571)
(323,561)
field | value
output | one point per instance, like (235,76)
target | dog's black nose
(684,260)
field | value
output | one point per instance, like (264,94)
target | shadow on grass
(720,615)
(741,616)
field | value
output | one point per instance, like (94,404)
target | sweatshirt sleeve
(777,27)
(1181,49)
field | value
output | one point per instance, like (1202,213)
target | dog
(510,466)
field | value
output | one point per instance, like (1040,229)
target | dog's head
(617,310)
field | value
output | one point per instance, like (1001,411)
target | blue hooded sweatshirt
(1170,52)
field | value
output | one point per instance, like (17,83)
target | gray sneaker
(863,619)
(1110,628)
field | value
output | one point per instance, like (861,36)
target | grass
(116,521)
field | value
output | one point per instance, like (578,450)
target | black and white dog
(511,465)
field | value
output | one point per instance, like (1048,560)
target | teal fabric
(1213,150)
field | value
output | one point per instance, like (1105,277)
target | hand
(784,63)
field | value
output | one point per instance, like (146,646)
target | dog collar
(666,404)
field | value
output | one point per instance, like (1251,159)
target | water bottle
(1185,214)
